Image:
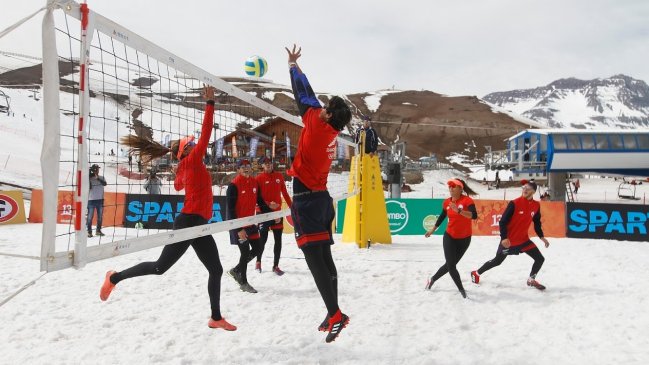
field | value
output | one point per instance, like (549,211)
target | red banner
(553,218)
(113,208)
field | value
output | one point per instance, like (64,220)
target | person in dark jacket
(514,224)
(95,200)
(191,175)
(371,139)
(312,209)
(242,198)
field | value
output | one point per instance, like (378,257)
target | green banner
(405,216)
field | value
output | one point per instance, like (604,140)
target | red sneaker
(278,271)
(475,277)
(221,323)
(258,266)
(107,287)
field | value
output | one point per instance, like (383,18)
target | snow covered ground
(593,312)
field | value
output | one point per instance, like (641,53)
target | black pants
(454,249)
(500,257)
(321,264)
(249,250)
(205,249)
(263,237)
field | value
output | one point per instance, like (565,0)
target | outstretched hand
(293,55)
(208,92)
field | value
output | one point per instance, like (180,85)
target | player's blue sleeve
(302,91)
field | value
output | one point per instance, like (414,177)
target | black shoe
(336,325)
(245,287)
(324,325)
(236,276)
(99,233)
(89,234)
(430,283)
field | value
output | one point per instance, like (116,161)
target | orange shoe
(107,287)
(221,323)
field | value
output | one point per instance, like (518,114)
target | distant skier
(460,210)
(514,225)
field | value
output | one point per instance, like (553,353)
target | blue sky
(461,47)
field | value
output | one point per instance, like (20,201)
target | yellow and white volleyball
(256,66)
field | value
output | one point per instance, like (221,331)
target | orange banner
(553,218)
(113,208)
(12,207)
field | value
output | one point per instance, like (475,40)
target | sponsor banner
(113,208)
(553,218)
(416,216)
(159,211)
(608,221)
(12,207)
(405,216)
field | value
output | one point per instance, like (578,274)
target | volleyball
(256,66)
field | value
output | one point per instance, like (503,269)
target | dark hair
(467,189)
(340,113)
(148,149)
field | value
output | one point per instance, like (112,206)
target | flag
(288,148)
(253,147)
(235,154)
(219,148)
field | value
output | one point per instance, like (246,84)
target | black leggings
(321,264)
(500,257)
(277,249)
(454,249)
(248,250)
(205,249)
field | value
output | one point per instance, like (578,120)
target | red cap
(455,182)
(189,140)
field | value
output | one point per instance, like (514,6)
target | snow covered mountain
(619,102)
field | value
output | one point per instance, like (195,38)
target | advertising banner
(113,208)
(405,216)
(159,211)
(628,222)
(416,216)
(553,218)
(12,207)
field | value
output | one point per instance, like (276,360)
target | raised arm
(302,91)
(208,122)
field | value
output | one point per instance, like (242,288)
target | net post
(51,148)
(81,191)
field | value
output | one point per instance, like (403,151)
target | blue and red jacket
(516,220)
(192,175)
(317,144)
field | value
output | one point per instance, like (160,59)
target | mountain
(619,102)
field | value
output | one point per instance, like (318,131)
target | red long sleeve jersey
(316,149)
(246,196)
(272,188)
(192,175)
(519,223)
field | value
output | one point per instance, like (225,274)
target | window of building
(615,141)
(629,142)
(643,141)
(573,142)
(559,142)
(601,141)
(588,142)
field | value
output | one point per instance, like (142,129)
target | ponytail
(147,149)
(467,189)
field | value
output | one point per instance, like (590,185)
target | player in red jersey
(191,175)
(272,187)
(514,224)
(242,198)
(312,209)
(460,210)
